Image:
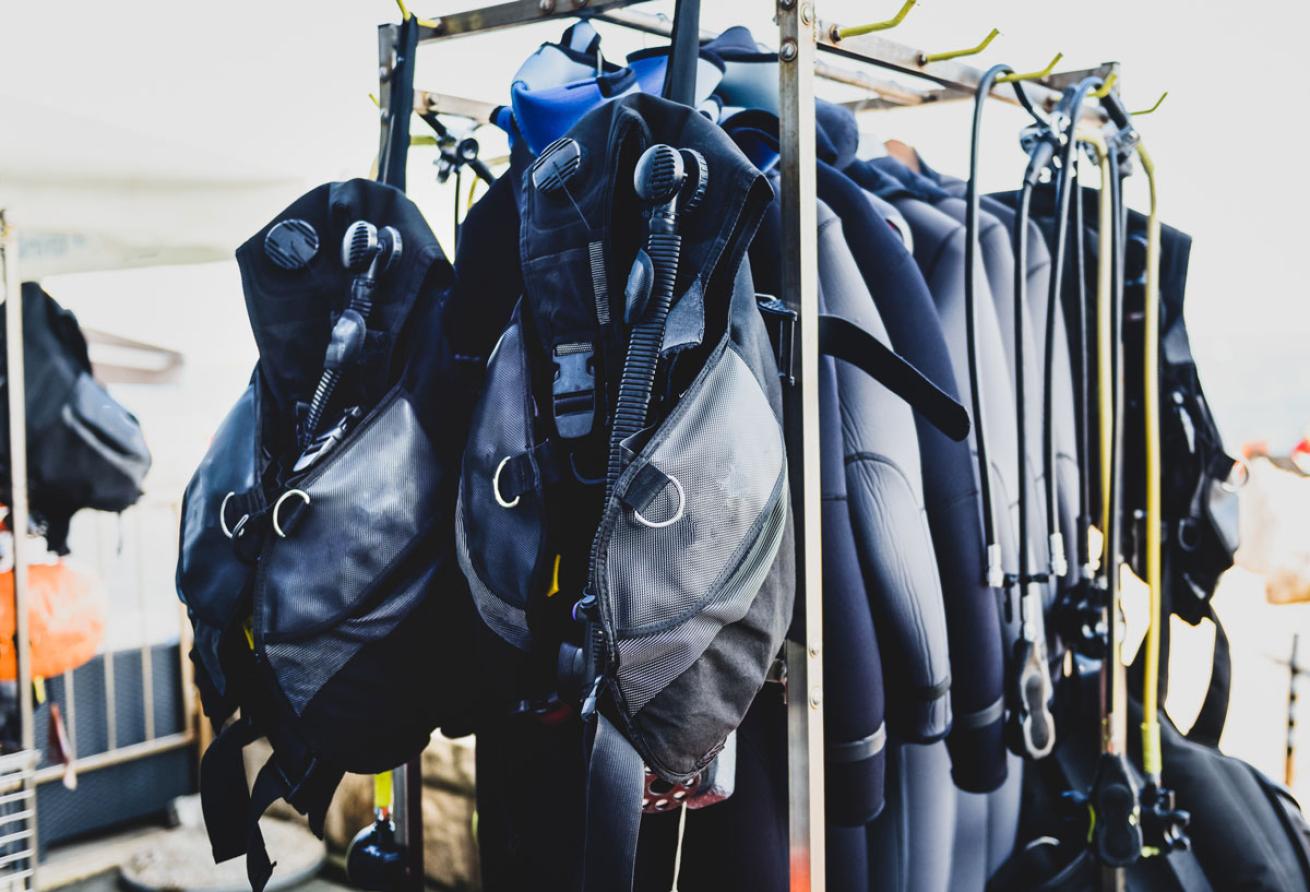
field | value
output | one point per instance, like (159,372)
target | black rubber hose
(1020,386)
(1083,391)
(1110,561)
(361,301)
(638,378)
(971,261)
(1063,192)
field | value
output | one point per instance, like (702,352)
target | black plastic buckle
(782,322)
(574,390)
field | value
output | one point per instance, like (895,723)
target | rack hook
(425,23)
(1147,111)
(837,33)
(1031,75)
(925,58)
(1105,88)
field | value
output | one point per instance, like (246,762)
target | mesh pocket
(695,556)
(501,541)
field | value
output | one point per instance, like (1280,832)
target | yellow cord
(1151,760)
(406,14)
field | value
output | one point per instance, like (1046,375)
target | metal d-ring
(495,486)
(222,518)
(277,527)
(677,516)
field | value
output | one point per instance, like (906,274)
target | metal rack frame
(801,38)
(18,768)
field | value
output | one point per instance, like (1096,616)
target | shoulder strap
(844,340)
(1209,724)
(616,779)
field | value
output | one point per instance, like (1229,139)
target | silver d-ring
(222,518)
(495,486)
(677,515)
(277,527)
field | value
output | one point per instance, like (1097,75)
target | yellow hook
(925,58)
(1104,89)
(426,23)
(1031,75)
(1148,111)
(838,33)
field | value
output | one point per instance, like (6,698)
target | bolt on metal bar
(800,291)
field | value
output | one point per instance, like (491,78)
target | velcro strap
(648,483)
(859,750)
(616,779)
(842,339)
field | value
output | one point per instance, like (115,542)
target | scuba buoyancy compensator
(84,449)
(315,556)
(624,493)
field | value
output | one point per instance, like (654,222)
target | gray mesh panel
(647,664)
(370,500)
(724,446)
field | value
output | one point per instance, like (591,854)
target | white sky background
(279,89)
(276,92)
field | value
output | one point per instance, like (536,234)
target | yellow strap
(249,629)
(554,579)
(382,791)
(38,689)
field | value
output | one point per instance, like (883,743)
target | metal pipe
(955,75)
(18,512)
(119,756)
(796,33)
(509,15)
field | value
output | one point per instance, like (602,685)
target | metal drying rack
(801,39)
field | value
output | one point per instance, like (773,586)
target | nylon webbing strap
(1209,724)
(224,798)
(231,814)
(616,779)
(842,339)
(269,787)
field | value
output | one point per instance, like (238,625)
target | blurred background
(141,142)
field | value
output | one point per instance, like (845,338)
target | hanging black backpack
(624,497)
(84,450)
(316,560)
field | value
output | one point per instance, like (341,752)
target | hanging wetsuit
(983,827)
(1063,405)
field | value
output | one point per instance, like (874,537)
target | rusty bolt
(807,13)
(788,51)
(546,6)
